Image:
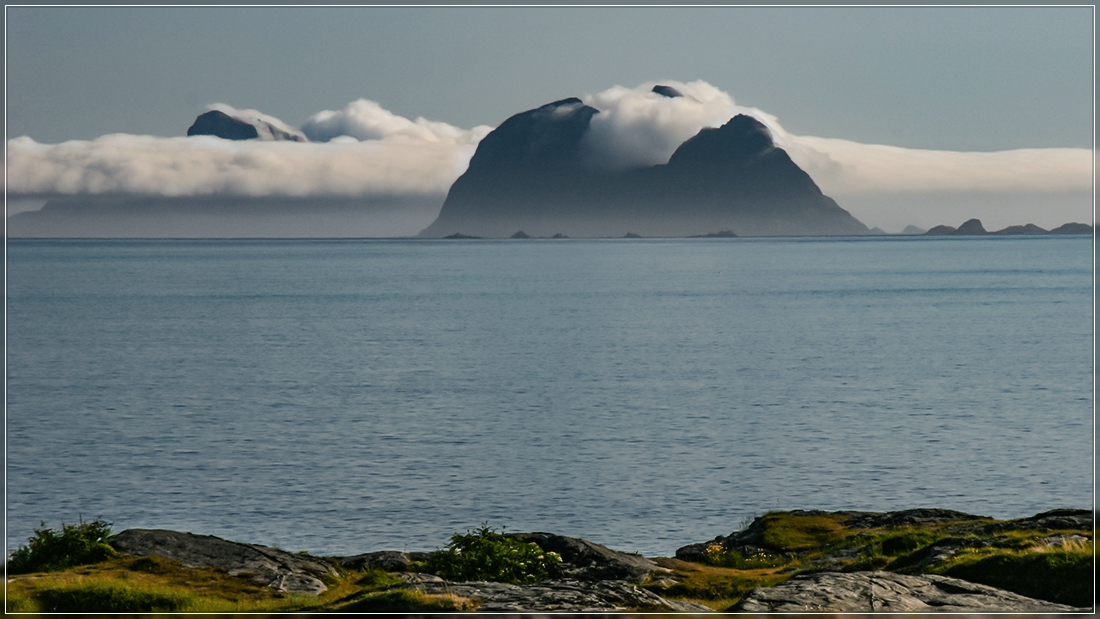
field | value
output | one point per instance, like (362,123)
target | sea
(345,396)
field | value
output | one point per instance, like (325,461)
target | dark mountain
(667,91)
(532,174)
(223,125)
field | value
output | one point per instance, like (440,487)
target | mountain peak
(530,174)
(741,138)
(216,122)
(226,126)
(667,91)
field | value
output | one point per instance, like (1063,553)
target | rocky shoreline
(798,561)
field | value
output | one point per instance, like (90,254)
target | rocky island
(974,227)
(533,173)
(918,560)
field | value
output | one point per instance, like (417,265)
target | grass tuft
(787,532)
(1062,575)
(407,601)
(111,598)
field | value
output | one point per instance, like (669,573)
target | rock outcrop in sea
(533,173)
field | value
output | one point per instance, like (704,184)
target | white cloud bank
(365,150)
(369,152)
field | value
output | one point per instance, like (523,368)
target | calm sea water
(342,397)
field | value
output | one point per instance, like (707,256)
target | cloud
(397,161)
(367,120)
(365,150)
(851,168)
(638,127)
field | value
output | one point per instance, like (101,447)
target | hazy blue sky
(945,78)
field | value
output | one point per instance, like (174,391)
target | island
(535,173)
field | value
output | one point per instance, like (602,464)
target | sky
(968,81)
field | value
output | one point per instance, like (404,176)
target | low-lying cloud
(365,150)
(638,127)
(361,151)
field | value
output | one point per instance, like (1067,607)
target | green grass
(788,532)
(111,597)
(714,586)
(719,557)
(1062,576)
(405,601)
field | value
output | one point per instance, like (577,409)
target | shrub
(75,544)
(485,554)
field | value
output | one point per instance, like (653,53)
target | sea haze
(346,396)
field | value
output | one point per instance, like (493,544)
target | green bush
(485,554)
(75,544)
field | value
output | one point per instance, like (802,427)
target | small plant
(76,544)
(485,554)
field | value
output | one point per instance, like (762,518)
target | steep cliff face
(531,174)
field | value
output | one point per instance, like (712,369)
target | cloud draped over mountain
(365,150)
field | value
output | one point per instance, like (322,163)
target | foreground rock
(551,595)
(888,592)
(275,568)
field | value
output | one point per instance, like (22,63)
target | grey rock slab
(591,561)
(888,592)
(280,570)
(552,595)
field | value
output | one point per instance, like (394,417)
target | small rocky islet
(918,560)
